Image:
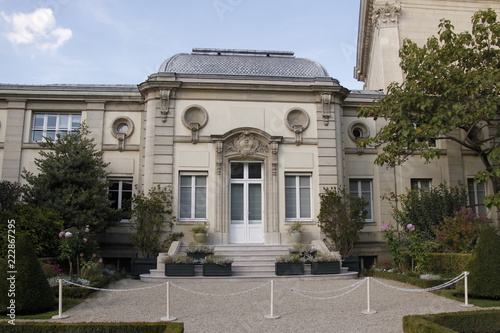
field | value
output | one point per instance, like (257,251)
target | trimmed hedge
(416,281)
(80,292)
(46,327)
(442,263)
(465,322)
(484,266)
(447,263)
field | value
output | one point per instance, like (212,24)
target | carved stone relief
(386,15)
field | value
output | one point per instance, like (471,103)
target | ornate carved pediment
(386,15)
(246,145)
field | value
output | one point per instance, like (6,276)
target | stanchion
(60,315)
(368,310)
(272,315)
(466,304)
(167,317)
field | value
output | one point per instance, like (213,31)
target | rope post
(60,315)
(272,315)
(368,310)
(167,317)
(466,304)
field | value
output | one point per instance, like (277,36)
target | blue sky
(122,42)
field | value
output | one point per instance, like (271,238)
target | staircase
(255,261)
(252,260)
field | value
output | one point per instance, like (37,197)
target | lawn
(480,302)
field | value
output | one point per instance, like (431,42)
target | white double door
(246,210)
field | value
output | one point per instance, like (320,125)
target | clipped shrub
(48,327)
(32,290)
(466,321)
(447,263)
(484,266)
(409,278)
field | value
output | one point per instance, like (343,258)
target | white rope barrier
(368,310)
(272,315)
(441,286)
(354,287)
(320,292)
(167,317)
(466,302)
(220,295)
(120,290)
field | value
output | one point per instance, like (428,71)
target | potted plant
(217,266)
(179,265)
(151,221)
(295,232)
(289,264)
(305,251)
(200,233)
(325,263)
(199,251)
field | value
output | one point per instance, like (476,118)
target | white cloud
(38,28)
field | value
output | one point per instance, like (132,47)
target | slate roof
(242,62)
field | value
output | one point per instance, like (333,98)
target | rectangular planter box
(295,268)
(179,269)
(217,270)
(319,268)
(141,266)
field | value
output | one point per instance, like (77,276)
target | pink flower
(100,260)
(410,227)
(81,254)
(68,234)
(386,226)
(61,234)
(85,240)
(94,255)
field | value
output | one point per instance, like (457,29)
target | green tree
(40,224)
(72,182)
(427,210)
(341,218)
(152,220)
(10,194)
(450,92)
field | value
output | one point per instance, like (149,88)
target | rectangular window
(47,125)
(477,192)
(298,197)
(120,193)
(193,197)
(362,188)
(421,184)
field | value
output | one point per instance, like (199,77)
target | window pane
(186,181)
(201,181)
(290,203)
(304,181)
(63,121)
(38,122)
(237,170)
(290,181)
(185,202)
(254,170)
(200,202)
(237,202)
(305,202)
(37,136)
(255,202)
(51,134)
(76,120)
(51,121)
(365,186)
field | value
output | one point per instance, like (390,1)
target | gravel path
(246,311)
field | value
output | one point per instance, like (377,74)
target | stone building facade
(246,139)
